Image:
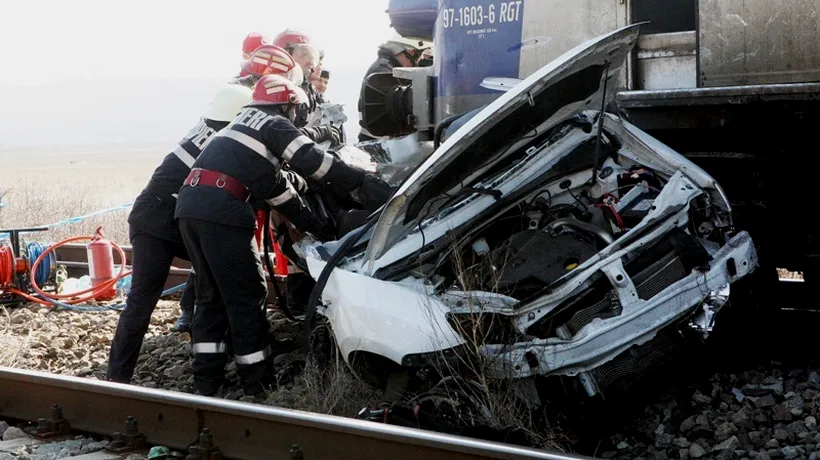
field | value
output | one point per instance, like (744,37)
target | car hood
(562,89)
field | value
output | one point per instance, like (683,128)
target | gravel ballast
(765,412)
(769,412)
(77,344)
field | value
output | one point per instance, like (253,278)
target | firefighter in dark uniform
(299,44)
(241,166)
(253,41)
(396,52)
(154,232)
(155,237)
(268,59)
(265,59)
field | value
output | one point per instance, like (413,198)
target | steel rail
(240,430)
(75,259)
(77,252)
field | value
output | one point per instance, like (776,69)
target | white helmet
(411,42)
(228,102)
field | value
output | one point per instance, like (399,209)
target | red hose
(7,264)
(7,274)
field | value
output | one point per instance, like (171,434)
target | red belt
(208,178)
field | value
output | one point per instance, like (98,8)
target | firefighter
(240,166)
(300,45)
(396,52)
(251,42)
(154,233)
(155,237)
(320,82)
(290,37)
(268,59)
(273,59)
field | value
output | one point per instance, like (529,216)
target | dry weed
(333,390)
(497,402)
(48,187)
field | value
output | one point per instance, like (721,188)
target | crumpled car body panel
(657,255)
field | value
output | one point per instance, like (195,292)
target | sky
(49,45)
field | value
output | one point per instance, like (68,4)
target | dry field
(46,186)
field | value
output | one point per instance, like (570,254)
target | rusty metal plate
(746,42)
(665,61)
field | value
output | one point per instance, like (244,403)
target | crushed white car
(543,235)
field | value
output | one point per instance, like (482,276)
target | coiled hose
(41,262)
(34,250)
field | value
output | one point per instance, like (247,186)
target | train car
(733,86)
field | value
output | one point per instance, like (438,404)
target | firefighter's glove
(322,133)
(298,182)
(307,221)
(374,192)
(322,230)
(336,134)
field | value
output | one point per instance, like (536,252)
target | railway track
(71,405)
(75,259)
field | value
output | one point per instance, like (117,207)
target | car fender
(387,318)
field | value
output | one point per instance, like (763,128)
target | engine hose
(444,124)
(267,244)
(605,236)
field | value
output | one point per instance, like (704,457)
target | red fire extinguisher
(260,225)
(280,262)
(101,264)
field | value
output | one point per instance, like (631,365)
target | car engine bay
(576,216)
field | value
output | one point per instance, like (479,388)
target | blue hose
(119,307)
(47,265)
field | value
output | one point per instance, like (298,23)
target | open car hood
(572,83)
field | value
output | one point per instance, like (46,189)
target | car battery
(633,212)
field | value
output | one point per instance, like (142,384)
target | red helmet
(271,59)
(276,89)
(289,37)
(252,41)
